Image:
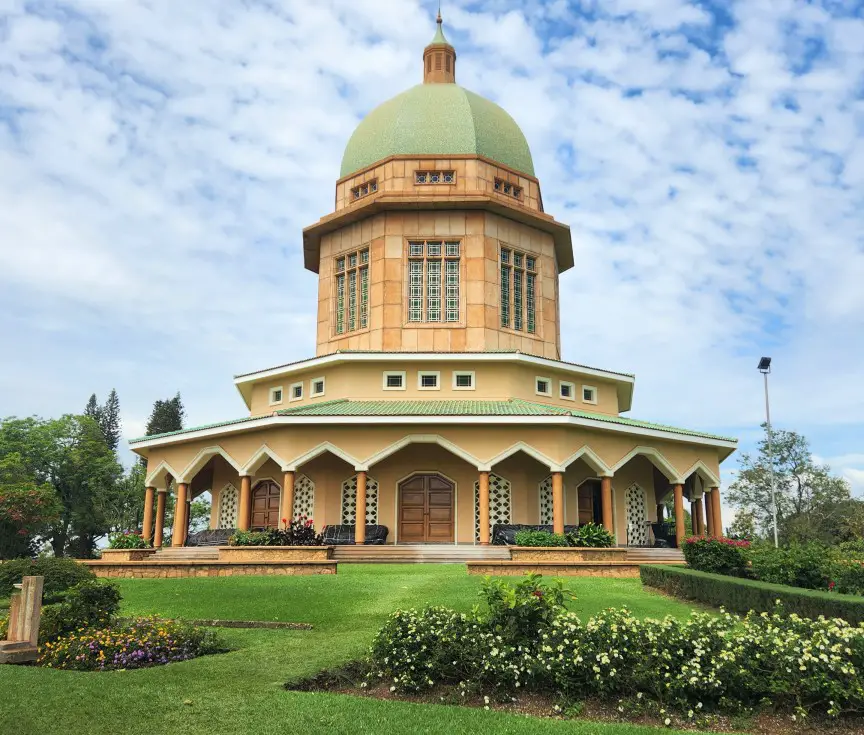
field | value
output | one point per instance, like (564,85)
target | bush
(724,662)
(88,604)
(593,536)
(127,540)
(518,613)
(133,645)
(540,538)
(847,577)
(299,533)
(716,555)
(799,565)
(60,574)
(743,595)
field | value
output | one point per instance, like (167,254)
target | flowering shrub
(799,565)
(127,540)
(133,645)
(716,555)
(25,508)
(540,538)
(722,662)
(299,533)
(88,604)
(517,613)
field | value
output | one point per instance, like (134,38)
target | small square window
(497,184)
(373,187)
(394,381)
(517,259)
(542,386)
(340,265)
(567,391)
(517,192)
(428,381)
(433,249)
(463,381)
(449,178)
(316,387)
(435,178)
(275,395)
(352,260)
(364,257)
(296,392)
(415,249)
(589,394)
(505,255)
(452,249)
(420,177)
(530,263)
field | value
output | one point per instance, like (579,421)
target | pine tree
(166,416)
(109,420)
(93,410)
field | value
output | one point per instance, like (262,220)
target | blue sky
(159,159)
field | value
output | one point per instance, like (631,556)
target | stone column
(360,510)
(716,512)
(244,516)
(178,534)
(483,498)
(288,498)
(700,518)
(606,504)
(147,525)
(558,502)
(694,504)
(160,518)
(679,514)
(709,513)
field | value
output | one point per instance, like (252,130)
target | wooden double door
(426,510)
(265,505)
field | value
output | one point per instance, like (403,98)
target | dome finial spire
(439,58)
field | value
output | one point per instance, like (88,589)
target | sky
(159,159)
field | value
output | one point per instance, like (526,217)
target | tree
(25,508)
(71,455)
(808,495)
(124,508)
(166,416)
(110,420)
(743,526)
(93,410)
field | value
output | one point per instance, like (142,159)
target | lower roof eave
(725,445)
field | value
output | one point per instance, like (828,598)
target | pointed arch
(203,457)
(322,448)
(591,458)
(709,479)
(529,450)
(656,458)
(260,457)
(424,439)
(159,477)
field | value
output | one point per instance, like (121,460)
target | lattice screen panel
(349,501)
(499,503)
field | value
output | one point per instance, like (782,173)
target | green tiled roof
(395,408)
(467,356)
(438,120)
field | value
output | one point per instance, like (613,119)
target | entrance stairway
(419,553)
(186,553)
(648,555)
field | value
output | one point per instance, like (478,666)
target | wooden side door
(265,505)
(439,512)
(412,510)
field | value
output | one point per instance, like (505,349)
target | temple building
(438,404)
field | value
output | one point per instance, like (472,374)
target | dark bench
(214,537)
(342,535)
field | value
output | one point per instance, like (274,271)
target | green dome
(436,120)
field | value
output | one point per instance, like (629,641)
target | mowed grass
(241,691)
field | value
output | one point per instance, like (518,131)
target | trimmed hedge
(743,595)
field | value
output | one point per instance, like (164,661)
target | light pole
(765,369)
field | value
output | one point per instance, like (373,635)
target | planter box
(127,554)
(246,554)
(566,553)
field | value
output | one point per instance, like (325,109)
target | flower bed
(298,533)
(131,645)
(742,595)
(587,536)
(127,540)
(527,642)
(241,554)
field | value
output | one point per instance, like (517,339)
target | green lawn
(240,692)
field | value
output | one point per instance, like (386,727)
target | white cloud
(158,161)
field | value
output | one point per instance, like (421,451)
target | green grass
(241,692)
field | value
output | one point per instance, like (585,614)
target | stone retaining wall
(115,555)
(176,569)
(562,553)
(242,554)
(555,569)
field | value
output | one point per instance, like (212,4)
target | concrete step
(186,554)
(655,555)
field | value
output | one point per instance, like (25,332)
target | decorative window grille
(304,498)
(349,501)
(546,515)
(434,281)
(228,503)
(505,187)
(365,189)
(518,291)
(353,268)
(435,177)
(637,528)
(499,503)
